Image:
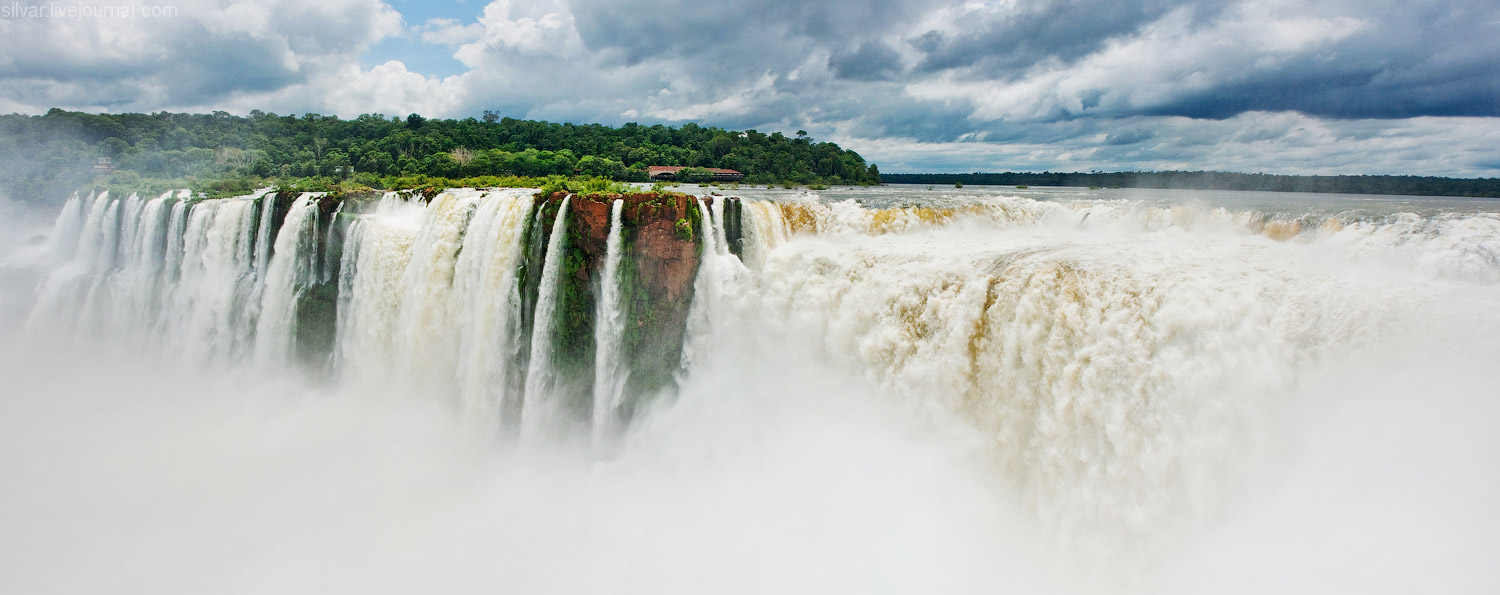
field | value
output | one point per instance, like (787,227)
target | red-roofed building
(669,172)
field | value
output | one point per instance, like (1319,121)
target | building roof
(672,169)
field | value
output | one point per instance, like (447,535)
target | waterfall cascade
(609,380)
(285,277)
(436,292)
(540,407)
(1117,354)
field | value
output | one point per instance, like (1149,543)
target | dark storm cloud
(1038,31)
(1128,137)
(1428,58)
(219,69)
(1425,59)
(873,61)
(643,30)
(1357,97)
(1408,58)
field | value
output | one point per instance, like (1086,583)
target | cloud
(348,90)
(1172,58)
(1209,60)
(1004,39)
(523,28)
(1282,142)
(202,56)
(873,61)
(1054,84)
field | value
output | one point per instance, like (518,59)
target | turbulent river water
(892,389)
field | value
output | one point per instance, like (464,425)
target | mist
(125,480)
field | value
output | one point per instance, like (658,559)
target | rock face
(661,249)
(317,305)
(661,253)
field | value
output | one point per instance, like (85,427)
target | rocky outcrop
(317,304)
(661,253)
(661,242)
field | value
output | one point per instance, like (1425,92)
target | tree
(230,156)
(694,175)
(114,147)
(462,156)
(593,167)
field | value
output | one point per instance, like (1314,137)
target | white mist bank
(996,394)
(1392,491)
(121,480)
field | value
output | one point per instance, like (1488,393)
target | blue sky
(428,58)
(1286,86)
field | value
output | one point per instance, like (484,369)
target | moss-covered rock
(661,241)
(662,249)
(316,325)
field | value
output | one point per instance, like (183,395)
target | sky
(1276,86)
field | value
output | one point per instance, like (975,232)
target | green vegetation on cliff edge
(50,155)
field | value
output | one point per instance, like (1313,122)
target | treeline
(1213,180)
(55,153)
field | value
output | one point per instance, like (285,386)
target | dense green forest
(49,156)
(1213,180)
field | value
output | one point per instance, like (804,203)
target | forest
(49,156)
(1213,180)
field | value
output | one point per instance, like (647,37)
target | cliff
(661,248)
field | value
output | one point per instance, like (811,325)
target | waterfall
(721,239)
(1079,336)
(108,248)
(327,267)
(767,230)
(212,303)
(92,316)
(95,234)
(721,275)
(66,232)
(953,304)
(698,339)
(290,271)
(155,273)
(489,305)
(986,379)
(68,301)
(267,200)
(136,288)
(609,331)
(376,256)
(540,411)
(428,297)
(176,230)
(348,272)
(427,320)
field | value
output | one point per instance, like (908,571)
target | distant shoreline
(1212,180)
